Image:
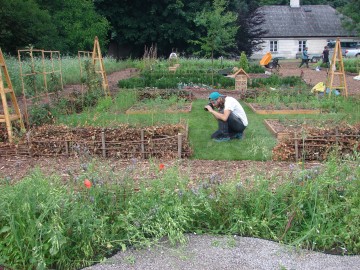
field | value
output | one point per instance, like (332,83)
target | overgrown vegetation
(49,224)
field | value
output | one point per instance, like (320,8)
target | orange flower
(87,183)
(161,166)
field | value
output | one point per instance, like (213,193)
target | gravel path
(205,252)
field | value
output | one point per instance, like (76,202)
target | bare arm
(221,116)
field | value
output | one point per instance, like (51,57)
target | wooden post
(29,143)
(336,136)
(142,143)
(296,148)
(103,143)
(67,148)
(179,144)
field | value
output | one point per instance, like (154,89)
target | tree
(24,23)
(250,19)
(136,23)
(220,30)
(351,10)
(77,24)
(64,25)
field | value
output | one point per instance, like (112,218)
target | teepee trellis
(7,118)
(99,66)
(337,59)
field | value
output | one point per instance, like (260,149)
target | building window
(273,46)
(302,45)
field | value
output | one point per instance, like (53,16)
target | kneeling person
(231,117)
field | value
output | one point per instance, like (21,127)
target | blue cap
(214,96)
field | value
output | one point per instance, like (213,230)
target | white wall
(289,47)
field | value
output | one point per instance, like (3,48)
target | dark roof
(305,21)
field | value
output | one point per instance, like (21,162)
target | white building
(292,28)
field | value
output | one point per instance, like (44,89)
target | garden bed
(162,101)
(314,141)
(174,108)
(267,109)
(168,141)
(283,128)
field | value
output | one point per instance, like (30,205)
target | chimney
(295,3)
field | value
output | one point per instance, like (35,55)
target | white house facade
(293,27)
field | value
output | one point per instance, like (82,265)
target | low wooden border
(287,111)
(278,135)
(134,111)
(97,143)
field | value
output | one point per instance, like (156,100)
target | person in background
(325,57)
(305,58)
(173,55)
(231,117)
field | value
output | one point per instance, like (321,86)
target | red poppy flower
(161,166)
(87,183)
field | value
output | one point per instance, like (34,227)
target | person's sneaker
(223,139)
(238,136)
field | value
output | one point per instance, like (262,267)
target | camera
(211,105)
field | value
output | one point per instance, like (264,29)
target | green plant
(244,63)
(47,223)
(40,115)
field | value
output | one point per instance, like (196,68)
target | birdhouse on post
(241,79)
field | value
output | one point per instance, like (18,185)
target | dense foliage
(71,25)
(65,25)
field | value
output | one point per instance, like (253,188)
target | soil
(14,168)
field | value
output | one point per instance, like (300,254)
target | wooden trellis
(340,72)
(81,56)
(32,73)
(98,62)
(7,117)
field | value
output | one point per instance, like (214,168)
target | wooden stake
(103,143)
(142,144)
(179,145)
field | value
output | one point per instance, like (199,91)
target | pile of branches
(121,142)
(165,94)
(317,143)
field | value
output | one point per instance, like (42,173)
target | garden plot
(281,109)
(313,140)
(285,127)
(124,142)
(157,101)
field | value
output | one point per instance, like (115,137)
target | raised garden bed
(174,108)
(263,109)
(168,141)
(314,140)
(157,101)
(282,129)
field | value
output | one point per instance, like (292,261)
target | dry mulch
(15,168)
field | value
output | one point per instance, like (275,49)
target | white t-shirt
(233,105)
(173,55)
